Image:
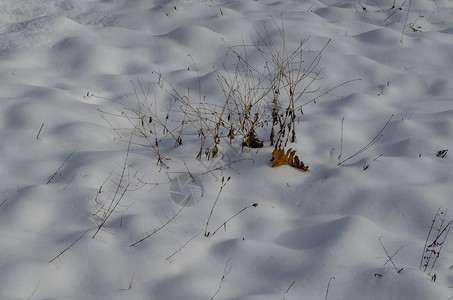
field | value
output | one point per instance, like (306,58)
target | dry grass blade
(281,158)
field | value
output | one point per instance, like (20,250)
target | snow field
(62,160)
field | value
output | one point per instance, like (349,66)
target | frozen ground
(71,226)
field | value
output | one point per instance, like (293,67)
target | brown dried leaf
(280,158)
(252,141)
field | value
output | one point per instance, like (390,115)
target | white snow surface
(72,70)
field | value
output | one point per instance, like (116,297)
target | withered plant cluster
(266,95)
(270,93)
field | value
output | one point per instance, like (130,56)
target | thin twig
(130,284)
(3,202)
(98,192)
(377,157)
(183,246)
(114,129)
(341,139)
(39,132)
(390,258)
(164,224)
(328,287)
(446,229)
(206,233)
(224,223)
(69,247)
(59,168)
(224,275)
(34,291)
(227,165)
(405,21)
(118,196)
(327,92)
(290,286)
(394,254)
(371,143)
(427,237)
(435,247)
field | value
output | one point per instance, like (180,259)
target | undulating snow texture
(93,208)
